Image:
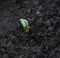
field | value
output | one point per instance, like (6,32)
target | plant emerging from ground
(25,24)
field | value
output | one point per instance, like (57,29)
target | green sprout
(25,24)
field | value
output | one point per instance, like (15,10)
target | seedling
(25,24)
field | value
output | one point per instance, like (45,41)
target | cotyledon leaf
(25,24)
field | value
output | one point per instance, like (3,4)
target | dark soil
(43,40)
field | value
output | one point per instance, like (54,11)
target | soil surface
(43,40)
